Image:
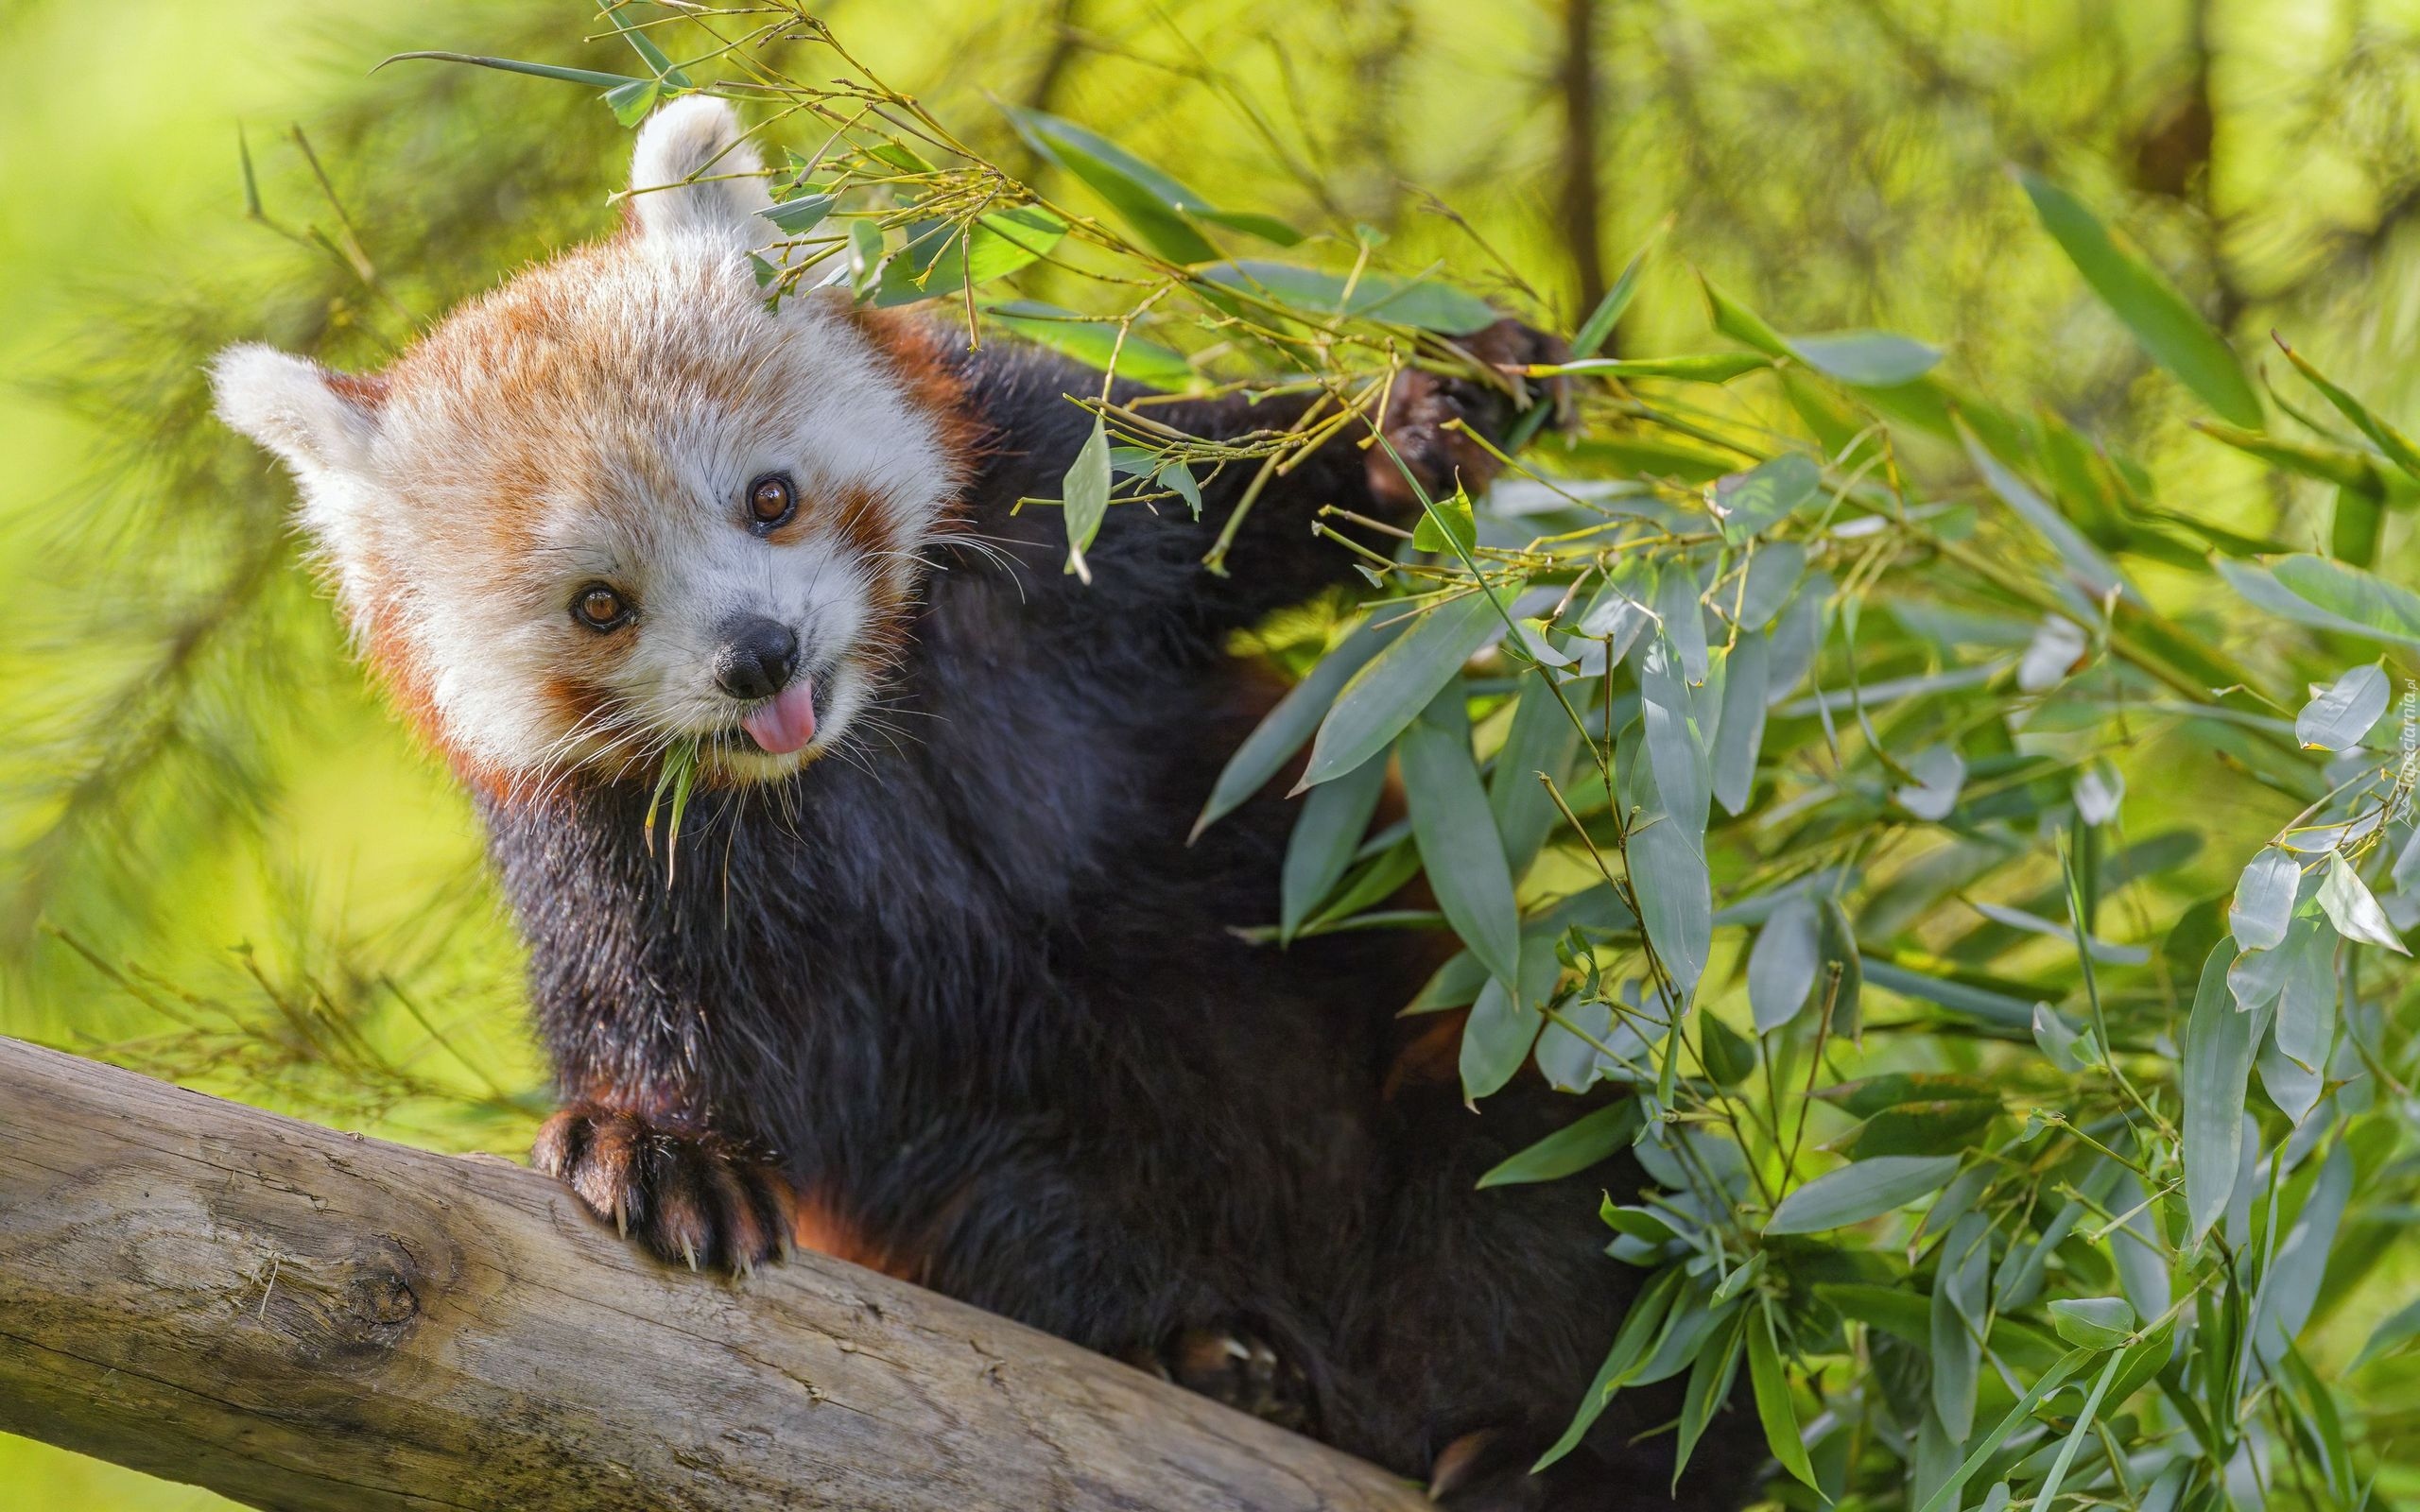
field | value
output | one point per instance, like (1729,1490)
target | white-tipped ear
(316,420)
(696,136)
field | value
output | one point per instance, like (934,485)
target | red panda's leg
(691,1196)
(1236,1368)
(1428,429)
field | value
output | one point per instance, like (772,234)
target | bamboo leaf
(1284,729)
(2345,712)
(1571,1149)
(1754,502)
(2093,1322)
(2219,1048)
(1855,1194)
(1641,1327)
(1326,834)
(2264,900)
(1866,359)
(2353,909)
(1541,740)
(2392,442)
(1085,494)
(2168,327)
(1774,1410)
(1458,846)
(1782,964)
(1388,693)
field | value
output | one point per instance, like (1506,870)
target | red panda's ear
(697,138)
(319,421)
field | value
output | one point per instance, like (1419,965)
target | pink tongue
(787,723)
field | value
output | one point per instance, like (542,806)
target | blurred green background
(220,859)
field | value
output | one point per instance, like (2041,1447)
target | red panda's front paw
(1431,417)
(691,1197)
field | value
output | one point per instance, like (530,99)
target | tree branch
(302,1318)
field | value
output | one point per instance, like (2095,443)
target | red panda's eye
(599,607)
(770,500)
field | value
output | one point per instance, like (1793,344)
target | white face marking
(601,421)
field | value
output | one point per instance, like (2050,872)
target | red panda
(954,998)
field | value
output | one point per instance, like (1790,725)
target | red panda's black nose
(758,657)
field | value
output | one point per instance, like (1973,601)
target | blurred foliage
(1911,704)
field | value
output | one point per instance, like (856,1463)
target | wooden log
(301,1319)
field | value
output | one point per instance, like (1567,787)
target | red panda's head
(618,501)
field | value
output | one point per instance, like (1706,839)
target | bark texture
(302,1318)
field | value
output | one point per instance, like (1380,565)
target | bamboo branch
(301,1319)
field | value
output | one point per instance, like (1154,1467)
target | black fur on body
(977,999)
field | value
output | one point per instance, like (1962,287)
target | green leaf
(1960,1300)
(2264,900)
(1147,199)
(1866,359)
(1762,497)
(1920,1128)
(1870,1095)
(1418,302)
(972,256)
(1959,997)
(1941,774)
(1771,578)
(2341,466)
(2394,443)
(2291,1287)
(1085,494)
(1641,1327)
(1709,1388)
(1541,740)
(1092,341)
(2093,1322)
(1906,1314)
(1496,1037)
(1590,338)
(1683,779)
(2353,909)
(1707,367)
(2389,1336)
(1945,1496)
(644,45)
(1855,1194)
(2330,596)
(1326,834)
(1739,322)
(1458,846)
(1774,1410)
(2084,561)
(1571,1149)
(2048,1495)
(1446,526)
(1839,974)
(1667,872)
(796,217)
(1729,1059)
(1284,729)
(1174,475)
(2219,1047)
(1782,964)
(1684,619)
(568,76)
(2343,713)
(1646,1224)
(1388,693)
(631,102)
(2168,327)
